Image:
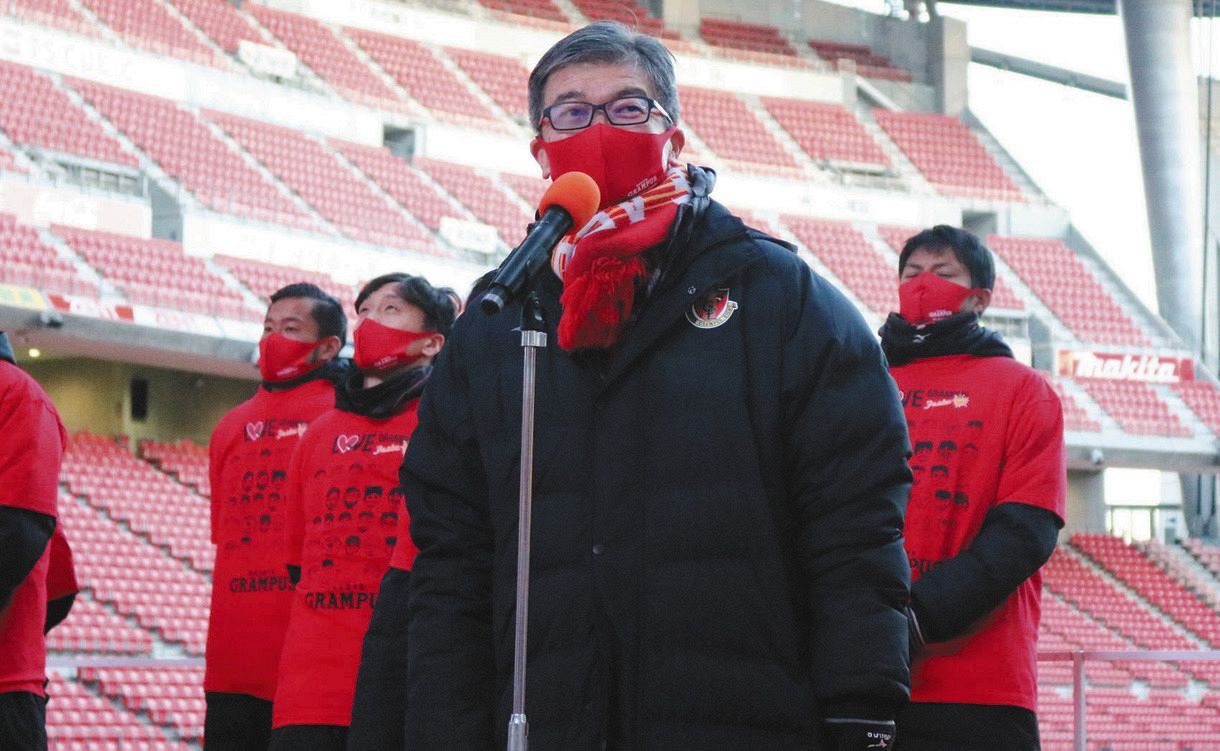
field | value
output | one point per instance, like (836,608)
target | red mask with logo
(380,347)
(927,298)
(282,359)
(623,163)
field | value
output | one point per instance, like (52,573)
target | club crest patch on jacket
(714,309)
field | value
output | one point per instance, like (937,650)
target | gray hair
(612,43)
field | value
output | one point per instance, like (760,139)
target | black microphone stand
(533,338)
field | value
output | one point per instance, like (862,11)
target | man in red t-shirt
(347,520)
(986,504)
(32,441)
(303,332)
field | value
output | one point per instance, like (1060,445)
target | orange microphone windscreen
(576,193)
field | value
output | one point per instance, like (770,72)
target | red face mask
(928,298)
(282,359)
(380,347)
(623,163)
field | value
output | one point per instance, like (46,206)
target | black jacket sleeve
(847,475)
(450,648)
(24,535)
(1013,542)
(57,611)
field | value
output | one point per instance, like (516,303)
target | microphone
(571,201)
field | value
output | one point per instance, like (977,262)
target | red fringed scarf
(601,263)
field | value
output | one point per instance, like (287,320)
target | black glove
(294,574)
(852,734)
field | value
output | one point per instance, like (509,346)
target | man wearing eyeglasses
(719,476)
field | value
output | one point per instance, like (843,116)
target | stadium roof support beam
(1054,74)
(1165,94)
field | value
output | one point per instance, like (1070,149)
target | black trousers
(236,722)
(379,711)
(966,727)
(23,721)
(308,738)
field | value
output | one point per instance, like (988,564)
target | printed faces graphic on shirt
(253,510)
(355,525)
(945,439)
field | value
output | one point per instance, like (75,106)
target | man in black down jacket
(720,470)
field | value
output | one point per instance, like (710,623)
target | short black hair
(327,312)
(966,246)
(439,304)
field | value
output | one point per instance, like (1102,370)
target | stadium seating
(91,629)
(264,279)
(156,272)
(1207,553)
(170,696)
(324,54)
(738,35)
(146,24)
(224,24)
(317,174)
(151,503)
(828,133)
(530,189)
(423,76)
(729,128)
(1061,280)
(189,152)
(1075,417)
(489,202)
(1203,398)
(8,162)
(60,14)
(851,258)
(506,80)
(949,155)
(25,260)
(78,720)
(868,63)
(1002,297)
(34,112)
(543,9)
(183,459)
(631,14)
(1135,406)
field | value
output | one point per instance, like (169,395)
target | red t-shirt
(985,431)
(251,593)
(345,508)
(32,441)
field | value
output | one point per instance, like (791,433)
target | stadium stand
(1075,417)
(326,55)
(544,9)
(147,25)
(94,630)
(739,35)
(1135,406)
(489,202)
(8,162)
(223,23)
(1203,398)
(34,112)
(60,14)
(156,272)
(182,145)
(850,257)
(26,260)
(868,63)
(263,279)
(725,123)
(949,155)
(78,720)
(1061,280)
(1207,554)
(169,696)
(317,174)
(530,189)
(503,78)
(827,132)
(629,13)
(183,460)
(423,76)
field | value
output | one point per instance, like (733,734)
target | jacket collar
(6,349)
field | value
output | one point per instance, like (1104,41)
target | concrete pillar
(1086,503)
(948,63)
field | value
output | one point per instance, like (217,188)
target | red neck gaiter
(282,359)
(927,298)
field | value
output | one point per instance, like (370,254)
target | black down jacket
(717,543)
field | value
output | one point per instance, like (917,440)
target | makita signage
(1125,367)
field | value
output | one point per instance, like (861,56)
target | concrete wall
(1086,503)
(96,396)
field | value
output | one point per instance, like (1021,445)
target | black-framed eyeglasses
(626,110)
